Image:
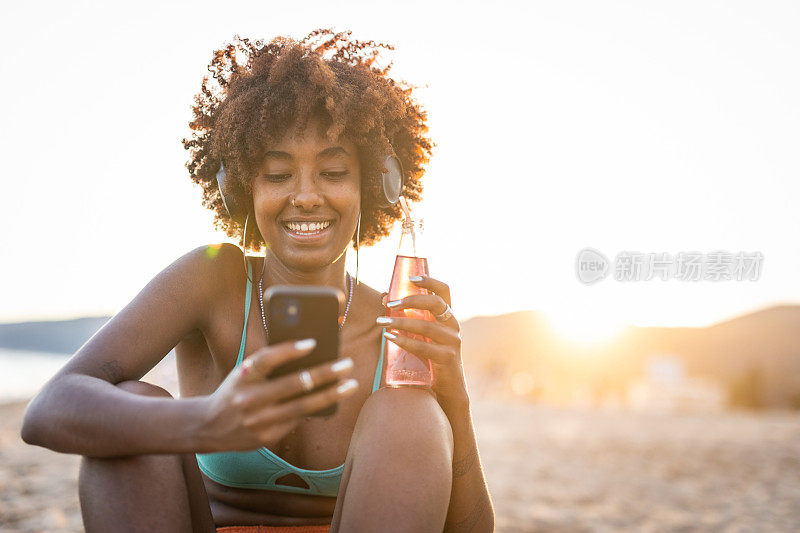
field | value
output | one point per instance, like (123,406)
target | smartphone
(297,312)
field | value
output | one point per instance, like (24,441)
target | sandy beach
(548,469)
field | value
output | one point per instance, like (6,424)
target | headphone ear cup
(392,181)
(236,212)
(228,199)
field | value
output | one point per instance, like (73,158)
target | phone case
(297,312)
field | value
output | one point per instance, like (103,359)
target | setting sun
(583,326)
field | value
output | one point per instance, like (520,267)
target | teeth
(307,226)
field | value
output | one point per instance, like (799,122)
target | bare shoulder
(215,266)
(206,273)
(179,300)
(373,295)
(370,300)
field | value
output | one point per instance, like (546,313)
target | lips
(306,226)
(308,231)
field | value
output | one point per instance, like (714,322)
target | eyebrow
(324,154)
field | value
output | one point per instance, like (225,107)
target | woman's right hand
(249,411)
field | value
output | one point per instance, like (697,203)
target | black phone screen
(297,312)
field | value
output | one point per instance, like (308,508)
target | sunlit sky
(621,126)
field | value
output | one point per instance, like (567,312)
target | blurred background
(656,404)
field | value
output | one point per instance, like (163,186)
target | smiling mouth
(307,229)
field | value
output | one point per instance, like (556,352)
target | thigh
(196,494)
(134,493)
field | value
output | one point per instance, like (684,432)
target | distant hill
(57,336)
(755,357)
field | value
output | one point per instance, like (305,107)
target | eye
(277,177)
(336,175)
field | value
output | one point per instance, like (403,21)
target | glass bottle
(403,368)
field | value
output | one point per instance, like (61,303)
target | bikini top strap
(376,383)
(248,292)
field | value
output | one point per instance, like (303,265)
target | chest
(317,443)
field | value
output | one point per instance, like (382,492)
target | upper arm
(174,303)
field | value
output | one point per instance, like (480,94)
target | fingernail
(394,303)
(390,336)
(342,364)
(305,344)
(415,278)
(348,385)
(383,320)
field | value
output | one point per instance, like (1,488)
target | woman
(301,128)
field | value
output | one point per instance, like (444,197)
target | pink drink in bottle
(404,369)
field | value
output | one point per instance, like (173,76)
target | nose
(307,195)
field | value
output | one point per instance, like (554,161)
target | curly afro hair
(262,90)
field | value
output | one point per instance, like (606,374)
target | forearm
(89,416)
(470,503)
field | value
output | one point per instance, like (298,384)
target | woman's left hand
(444,348)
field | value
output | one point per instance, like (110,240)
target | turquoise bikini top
(259,469)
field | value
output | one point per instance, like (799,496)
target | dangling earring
(358,246)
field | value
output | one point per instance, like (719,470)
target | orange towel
(274,529)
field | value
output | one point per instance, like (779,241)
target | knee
(405,415)
(136,387)
(143,388)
